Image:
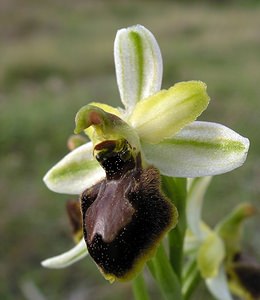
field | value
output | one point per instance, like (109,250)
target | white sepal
(218,286)
(138,63)
(76,172)
(194,204)
(199,149)
(68,258)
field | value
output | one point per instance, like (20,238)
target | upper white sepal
(138,64)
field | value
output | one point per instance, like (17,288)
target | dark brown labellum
(125,217)
(247,272)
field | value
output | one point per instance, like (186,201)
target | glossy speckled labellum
(125,216)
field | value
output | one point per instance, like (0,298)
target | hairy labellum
(126,215)
(246,273)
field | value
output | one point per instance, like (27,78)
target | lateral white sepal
(199,149)
(76,172)
(68,258)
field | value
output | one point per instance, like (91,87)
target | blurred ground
(56,56)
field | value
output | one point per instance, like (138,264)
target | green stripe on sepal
(67,258)
(200,149)
(76,172)
(167,112)
(138,65)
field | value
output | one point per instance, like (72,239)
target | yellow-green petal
(167,112)
(210,255)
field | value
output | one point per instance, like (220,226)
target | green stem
(175,190)
(191,280)
(139,288)
(163,273)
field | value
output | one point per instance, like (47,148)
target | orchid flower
(216,251)
(158,124)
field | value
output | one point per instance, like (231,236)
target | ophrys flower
(217,252)
(159,127)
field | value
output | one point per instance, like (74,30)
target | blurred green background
(56,56)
